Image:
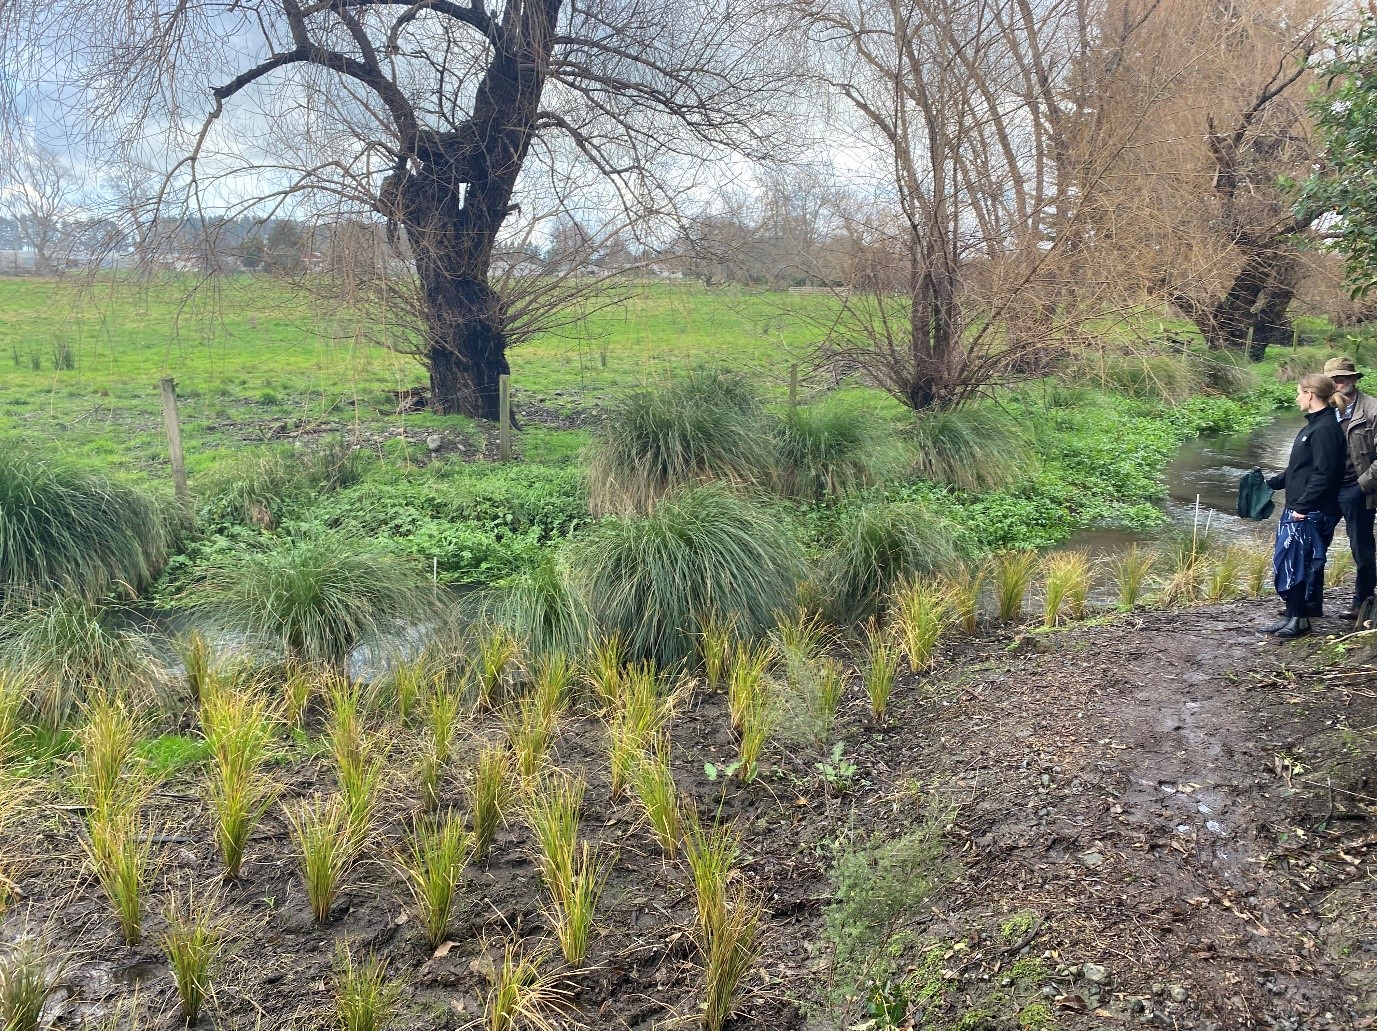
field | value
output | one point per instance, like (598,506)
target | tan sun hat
(1342,366)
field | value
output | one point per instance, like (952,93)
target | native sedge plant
(571,909)
(322,831)
(28,978)
(1131,570)
(552,807)
(239,727)
(407,685)
(68,531)
(1188,561)
(828,449)
(553,681)
(360,757)
(192,942)
(716,642)
(711,853)
(1012,573)
(882,667)
(197,662)
(1222,575)
(704,550)
(521,997)
(15,794)
(496,652)
(828,686)
(543,608)
(653,784)
(120,853)
(606,660)
(733,945)
(71,649)
(365,997)
(800,640)
(747,680)
(298,685)
(1065,584)
(639,721)
(1338,566)
(11,713)
(878,546)
(757,724)
(922,611)
(107,742)
(963,585)
(1258,570)
(531,729)
(432,864)
(974,448)
(442,717)
(491,793)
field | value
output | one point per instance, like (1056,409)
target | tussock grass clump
(360,758)
(553,682)
(1338,566)
(747,684)
(716,641)
(711,853)
(433,866)
(879,545)
(1132,570)
(757,724)
(552,812)
(14,796)
(1258,571)
(491,794)
(198,662)
(807,710)
(572,908)
(1065,584)
(800,639)
(1221,576)
(521,997)
(255,488)
(365,997)
(239,726)
(542,607)
(733,945)
(704,426)
(970,448)
(881,669)
(299,683)
(323,834)
(11,713)
(27,978)
(963,585)
(497,651)
(315,598)
(66,531)
(1188,562)
(639,722)
(1171,378)
(120,853)
(70,649)
(107,738)
(531,725)
(442,718)
(922,612)
(606,659)
(192,943)
(653,783)
(828,449)
(1012,572)
(404,687)
(654,580)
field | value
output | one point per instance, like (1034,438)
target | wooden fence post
(174,440)
(504,418)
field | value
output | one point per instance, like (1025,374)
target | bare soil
(1168,797)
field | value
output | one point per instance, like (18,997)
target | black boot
(1298,627)
(1278,626)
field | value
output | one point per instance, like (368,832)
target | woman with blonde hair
(1311,480)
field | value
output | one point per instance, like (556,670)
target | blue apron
(1299,549)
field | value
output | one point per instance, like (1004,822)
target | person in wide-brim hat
(1358,495)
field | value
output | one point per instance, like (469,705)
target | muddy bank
(1155,820)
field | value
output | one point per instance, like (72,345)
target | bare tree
(41,193)
(428,113)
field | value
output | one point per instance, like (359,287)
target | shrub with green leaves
(706,425)
(878,546)
(65,531)
(315,598)
(703,554)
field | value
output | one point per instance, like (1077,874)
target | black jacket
(1316,470)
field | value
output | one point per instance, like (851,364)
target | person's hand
(1298,517)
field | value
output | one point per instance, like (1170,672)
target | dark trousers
(1358,520)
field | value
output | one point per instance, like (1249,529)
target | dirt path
(1173,805)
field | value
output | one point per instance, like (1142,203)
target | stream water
(1202,486)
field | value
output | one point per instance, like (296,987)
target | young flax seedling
(433,865)
(732,947)
(120,853)
(321,829)
(521,997)
(716,642)
(711,853)
(552,813)
(606,660)
(653,782)
(571,909)
(1013,573)
(496,651)
(365,997)
(757,723)
(1131,570)
(192,942)
(491,794)
(881,670)
(963,586)
(442,717)
(921,612)
(238,726)
(1066,584)
(107,746)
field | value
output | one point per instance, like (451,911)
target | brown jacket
(1360,431)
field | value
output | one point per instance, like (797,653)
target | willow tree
(440,118)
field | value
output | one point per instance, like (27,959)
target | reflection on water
(1208,468)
